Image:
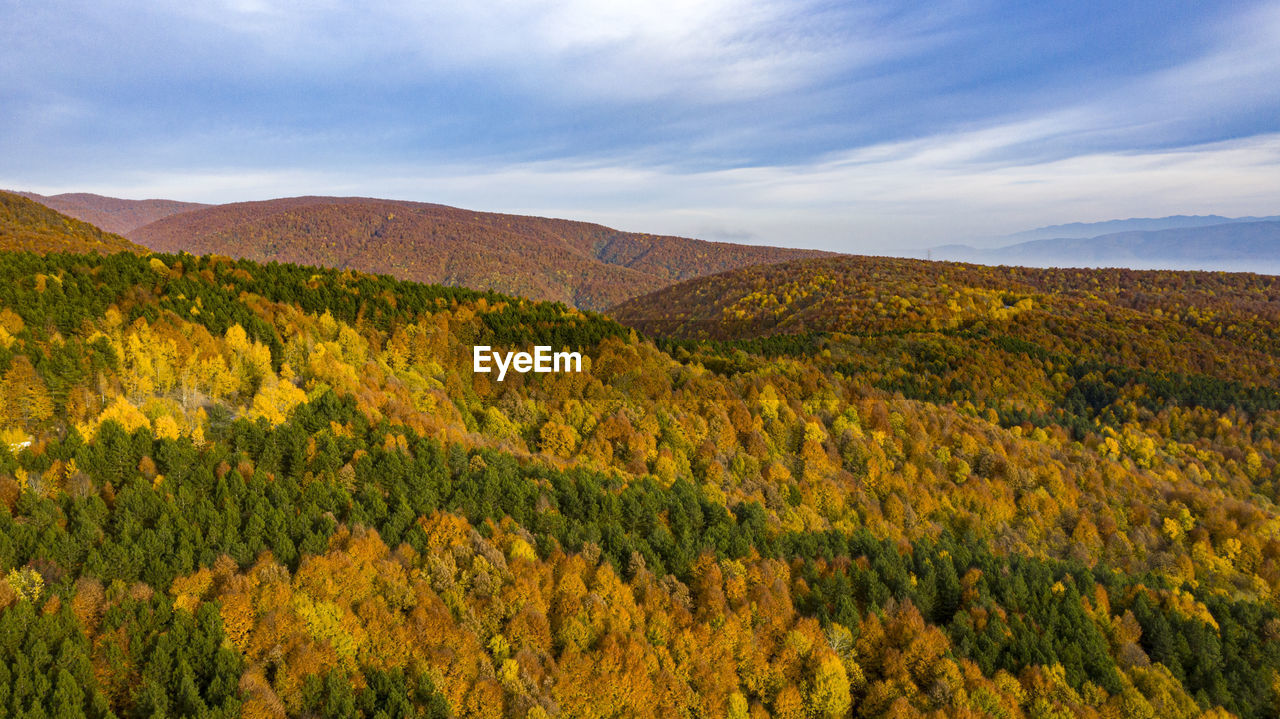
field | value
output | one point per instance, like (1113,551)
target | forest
(581,264)
(833,487)
(28,225)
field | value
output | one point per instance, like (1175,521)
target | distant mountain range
(1233,245)
(1086,230)
(112,213)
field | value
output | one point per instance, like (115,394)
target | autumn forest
(806,487)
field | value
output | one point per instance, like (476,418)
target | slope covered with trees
(28,225)
(1060,346)
(236,489)
(582,264)
(112,214)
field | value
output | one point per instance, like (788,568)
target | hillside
(884,295)
(112,213)
(28,225)
(1232,247)
(581,264)
(265,490)
(1084,350)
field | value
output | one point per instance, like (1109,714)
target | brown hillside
(28,225)
(112,213)
(583,264)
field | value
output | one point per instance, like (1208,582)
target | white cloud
(705,51)
(1237,75)
(1005,172)
(1245,60)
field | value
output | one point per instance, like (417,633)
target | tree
(25,398)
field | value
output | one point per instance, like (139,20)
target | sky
(850,126)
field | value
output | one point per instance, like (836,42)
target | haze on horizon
(856,127)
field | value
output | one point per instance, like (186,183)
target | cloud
(861,127)
(710,51)
(1218,93)
(708,84)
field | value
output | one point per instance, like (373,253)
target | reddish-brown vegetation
(112,213)
(579,263)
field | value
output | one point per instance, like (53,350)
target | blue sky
(850,126)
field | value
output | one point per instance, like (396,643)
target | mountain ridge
(26,224)
(112,214)
(1083,230)
(1232,246)
(584,264)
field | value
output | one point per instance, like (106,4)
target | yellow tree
(25,398)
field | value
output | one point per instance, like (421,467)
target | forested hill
(1056,346)
(112,213)
(875,295)
(582,264)
(28,225)
(235,489)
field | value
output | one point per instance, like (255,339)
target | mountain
(1084,230)
(29,225)
(112,213)
(579,263)
(1233,247)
